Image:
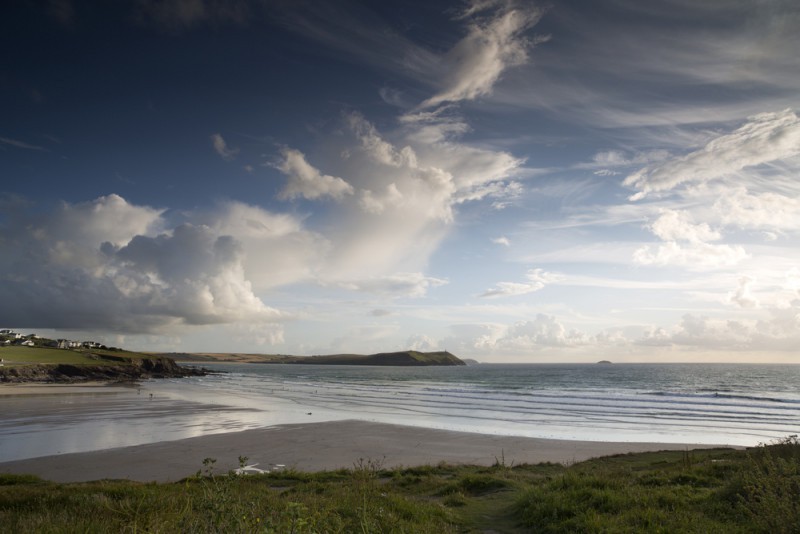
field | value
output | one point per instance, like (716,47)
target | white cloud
(522,337)
(544,330)
(694,256)
(537,279)
(502,240)
(222,148)
(473,66)
(308,182)
(673,225)
(779,331)
(376,147)
(377,204)
(686,244)
(422,343)
(406,194)
(605,172)
(191,273)
(279,250)
(767,137)
(766,211)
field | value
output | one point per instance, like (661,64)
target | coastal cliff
(121,370)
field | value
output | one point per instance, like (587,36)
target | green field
(698,491)
(32,355)
(16,355)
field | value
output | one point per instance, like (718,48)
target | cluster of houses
(9,337)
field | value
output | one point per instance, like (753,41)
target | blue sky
(507,180)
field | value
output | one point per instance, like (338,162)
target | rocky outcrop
(122,370)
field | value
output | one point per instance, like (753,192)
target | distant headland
(406,358)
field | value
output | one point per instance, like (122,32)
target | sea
(725,404)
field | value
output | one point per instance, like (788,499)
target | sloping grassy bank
(697,491)
(50,365)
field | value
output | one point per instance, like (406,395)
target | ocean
(723,404)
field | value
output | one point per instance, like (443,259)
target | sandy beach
(60,389)
(313,447)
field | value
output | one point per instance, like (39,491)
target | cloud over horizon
(505,178)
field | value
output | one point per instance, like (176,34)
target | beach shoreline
(318,447)
(48,388)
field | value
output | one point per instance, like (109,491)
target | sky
(512,181)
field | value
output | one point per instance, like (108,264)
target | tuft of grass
(699,491)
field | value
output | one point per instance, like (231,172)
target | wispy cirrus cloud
(178,15)
(764,138)
(537,279)
(493,44)
(20,144)
(221,147)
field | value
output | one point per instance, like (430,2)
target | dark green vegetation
(41,364)
(401,358)
(698,491)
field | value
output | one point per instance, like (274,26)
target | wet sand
(314,447)
(60,389)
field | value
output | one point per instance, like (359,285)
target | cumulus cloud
(378,203)
(492,45)
(502,240)
(222,148)
(522,337)
(537,279)
(778,331)
(674,225)
(308,182)
(686,244)
(108,264)
(422,343)
(406,194)
(191,273)
(766,138)
(738,207)
(544,330)
(279,249)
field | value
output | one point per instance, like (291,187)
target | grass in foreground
(697,491)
